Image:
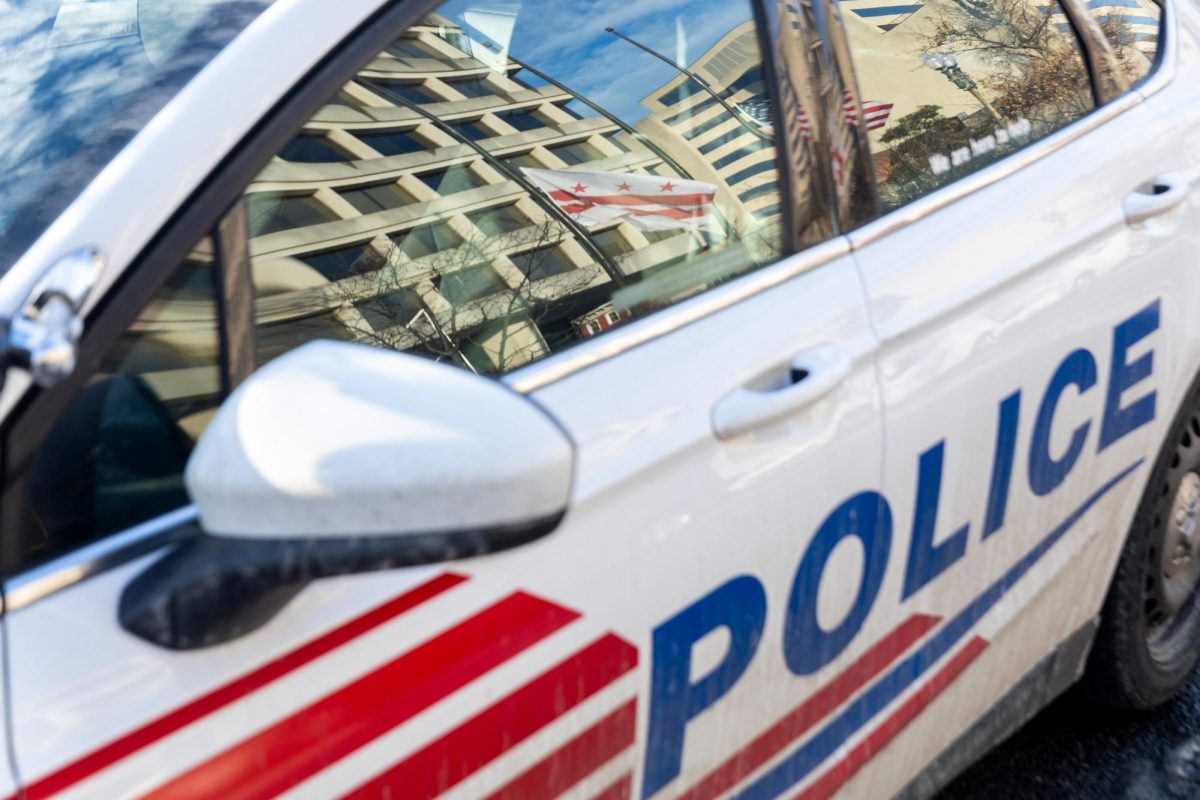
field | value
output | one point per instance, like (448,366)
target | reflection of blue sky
(566,40)
(78,80)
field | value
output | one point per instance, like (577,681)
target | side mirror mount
(342,458)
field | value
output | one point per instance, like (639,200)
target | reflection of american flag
(649,202)
(446,690)
(875,112)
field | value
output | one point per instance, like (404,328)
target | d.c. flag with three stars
(649,202)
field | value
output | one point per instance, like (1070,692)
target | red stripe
(804,716)
(445,762)
(575,760)
(318,735)
(837,775)
(634,199)
(670,213)
(167,724)
(620,790)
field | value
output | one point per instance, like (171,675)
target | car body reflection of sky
(566,40)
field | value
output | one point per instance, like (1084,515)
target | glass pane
(470,129)
(370,199)
(450,181)
(575,209)
(400,93)
(947,90)
(392,143)
(522,120)
(116,456)
(312,149)
(270,212)
(495,221)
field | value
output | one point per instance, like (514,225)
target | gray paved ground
(1072,750)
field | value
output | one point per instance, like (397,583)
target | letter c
(1045,472)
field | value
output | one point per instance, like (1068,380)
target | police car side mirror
(341,458)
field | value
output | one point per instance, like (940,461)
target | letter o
(806,645)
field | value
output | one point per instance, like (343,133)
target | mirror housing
(340,458)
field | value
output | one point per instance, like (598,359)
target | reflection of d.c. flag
(649,202)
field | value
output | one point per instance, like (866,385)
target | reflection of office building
(734,151)
(400,215)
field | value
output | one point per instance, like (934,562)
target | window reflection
(949,88)
(514,178)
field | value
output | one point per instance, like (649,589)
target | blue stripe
(1129,20)
(804,759)
(887,11)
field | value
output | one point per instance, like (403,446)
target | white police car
(688,398)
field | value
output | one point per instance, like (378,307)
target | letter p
(739,606)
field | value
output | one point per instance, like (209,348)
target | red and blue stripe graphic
(901,674)
(798,765)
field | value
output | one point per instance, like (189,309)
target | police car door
(653,272)
(1027,282)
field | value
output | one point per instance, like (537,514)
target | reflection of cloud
(566,40)
(68,109)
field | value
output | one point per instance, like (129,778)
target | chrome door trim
(67,570)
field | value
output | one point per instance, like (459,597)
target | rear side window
(950,87)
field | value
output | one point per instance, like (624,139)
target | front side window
(492,222)
(438,206)
(116,454)
(948,88)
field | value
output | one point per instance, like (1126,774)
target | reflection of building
(399,215)
(736,154)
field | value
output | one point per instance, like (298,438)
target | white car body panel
(642,456)
(968,314)
(940,319)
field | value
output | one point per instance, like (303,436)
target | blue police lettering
(1119,420)
(806,645)
(1046,472)
(739,606)
(1002,463)
(925,559)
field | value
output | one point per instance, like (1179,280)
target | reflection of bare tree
(499,294)
(1009,34)
(1034,70)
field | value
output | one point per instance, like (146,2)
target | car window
(499,183)
(949,87)
(115,455)
(505,180)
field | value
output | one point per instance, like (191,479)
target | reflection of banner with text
(648,202)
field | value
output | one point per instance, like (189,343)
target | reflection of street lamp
(749,119)
(948,66)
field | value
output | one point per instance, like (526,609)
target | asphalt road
(1080,752)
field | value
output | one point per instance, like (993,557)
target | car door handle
(812,374)
(1157,197)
